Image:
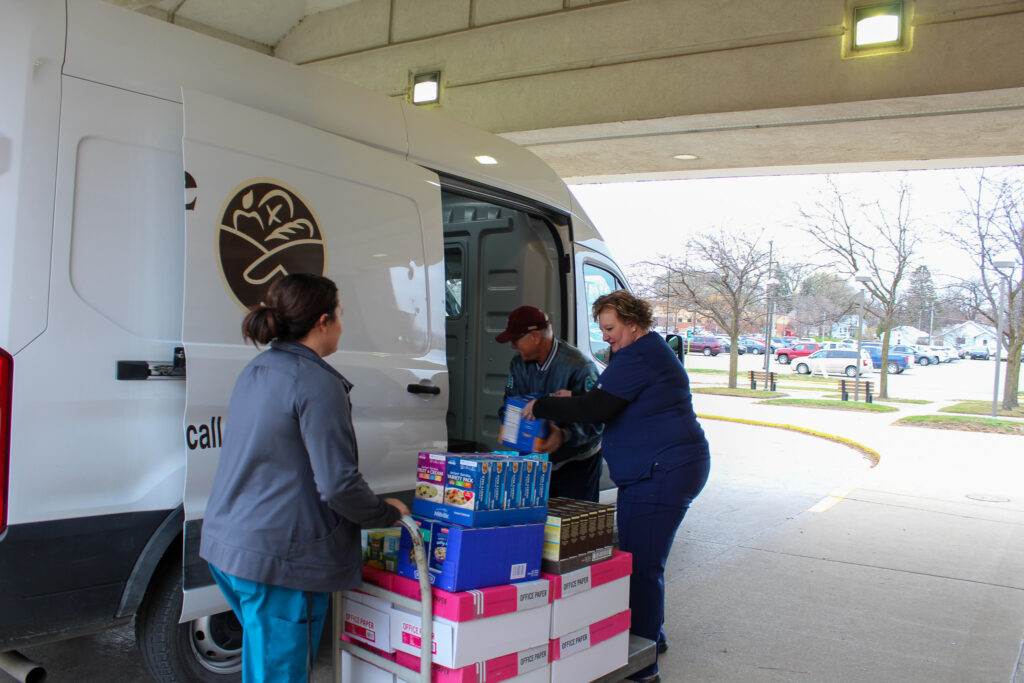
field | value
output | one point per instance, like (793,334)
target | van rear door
(266,196)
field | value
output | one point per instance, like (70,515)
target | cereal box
(543,482)
(513,484)
(430,476)
(463,483)
(529,485)
(518,432)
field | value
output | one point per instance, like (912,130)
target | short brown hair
(629,308)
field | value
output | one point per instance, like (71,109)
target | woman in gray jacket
(281,530)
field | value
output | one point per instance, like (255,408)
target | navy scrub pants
(281,628)
(649,514)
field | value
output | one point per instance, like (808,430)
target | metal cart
(425,606)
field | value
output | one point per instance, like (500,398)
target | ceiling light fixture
(486,160)
(426,88)
(877,25)
(686,157)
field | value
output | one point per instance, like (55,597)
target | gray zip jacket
(288,498)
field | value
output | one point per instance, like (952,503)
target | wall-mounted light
(426,88)
(486,160)
(685,157)
(875,27)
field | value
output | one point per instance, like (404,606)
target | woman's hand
(528,410)
(402,508)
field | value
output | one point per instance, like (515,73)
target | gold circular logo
(266,232)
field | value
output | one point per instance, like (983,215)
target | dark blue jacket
(658,425)
(564,368)
(288,499)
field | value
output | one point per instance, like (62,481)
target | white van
(153,183)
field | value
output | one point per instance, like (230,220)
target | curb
(870,454)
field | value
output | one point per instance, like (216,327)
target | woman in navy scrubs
(656,451)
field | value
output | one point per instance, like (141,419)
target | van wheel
(802,369)
(851,370)
(207,650)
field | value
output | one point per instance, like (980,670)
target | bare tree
(992,226)
(874,238)
(824,298)
(721,278)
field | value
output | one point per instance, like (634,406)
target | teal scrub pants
(281,628)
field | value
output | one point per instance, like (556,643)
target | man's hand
(554,440)
(402,508)
(528,410)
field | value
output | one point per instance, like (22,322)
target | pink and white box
(470,626)
(367,621)
(590,652)
(588,595)
(528,666)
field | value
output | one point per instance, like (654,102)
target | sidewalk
(899,576)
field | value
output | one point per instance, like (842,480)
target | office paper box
(355,670)
(367,620)
(465,558)
(589,595)
(467,605)
(459,644)
(591,652)
(517,667)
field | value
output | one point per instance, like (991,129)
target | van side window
(454,265)
(598,282)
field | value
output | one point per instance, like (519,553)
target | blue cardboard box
(478,518)
(519,433)
(464,559)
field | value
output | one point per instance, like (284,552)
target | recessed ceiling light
(686,157)
(877,24)
(426,88)
(486,160)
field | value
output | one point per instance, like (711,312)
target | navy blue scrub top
(658,426)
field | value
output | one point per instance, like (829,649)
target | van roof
(156,58)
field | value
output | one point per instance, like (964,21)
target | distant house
(908,334)
(970,334)
(846,328)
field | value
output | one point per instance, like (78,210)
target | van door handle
(423,389)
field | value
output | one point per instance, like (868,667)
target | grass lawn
(913,401)
(857,406)
(963,423)
(706,371)
(739,391)
(981,408)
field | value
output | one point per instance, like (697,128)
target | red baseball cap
(522,320)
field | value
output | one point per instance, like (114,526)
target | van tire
(164,643)
(851,371)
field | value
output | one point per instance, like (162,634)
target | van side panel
(31,52)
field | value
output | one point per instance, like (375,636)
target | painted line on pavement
(831,500)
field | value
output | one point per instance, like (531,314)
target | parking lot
(959,380)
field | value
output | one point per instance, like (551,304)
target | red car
(800,350)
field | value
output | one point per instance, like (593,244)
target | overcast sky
(641,220)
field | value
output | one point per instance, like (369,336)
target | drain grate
(987,498)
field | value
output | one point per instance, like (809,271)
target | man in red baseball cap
(544,365)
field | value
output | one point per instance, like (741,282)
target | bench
(766,379)
(849,386)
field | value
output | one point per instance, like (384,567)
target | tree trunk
(883,383)
(1012,382)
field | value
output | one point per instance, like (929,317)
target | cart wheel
(207,650)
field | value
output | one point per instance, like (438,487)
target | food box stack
(481,518)
(577,533)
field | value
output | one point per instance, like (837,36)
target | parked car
(898,362)
(706,344)
(752,346)
(727,345)
(943,353)
(835,362)
(979,353)
(798,350)
(838,345)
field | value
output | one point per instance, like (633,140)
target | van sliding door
(269,196)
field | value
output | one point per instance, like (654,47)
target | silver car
(835,362)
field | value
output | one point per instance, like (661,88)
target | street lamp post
(998,265)
(862,278)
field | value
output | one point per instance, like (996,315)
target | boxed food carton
(431,469)
(463,558)
(591,652)
(576,534)
(591,594)
(380,548)
(522,434)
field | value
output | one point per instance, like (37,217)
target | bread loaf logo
(267,231)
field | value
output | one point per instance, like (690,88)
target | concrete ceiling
(612,89)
